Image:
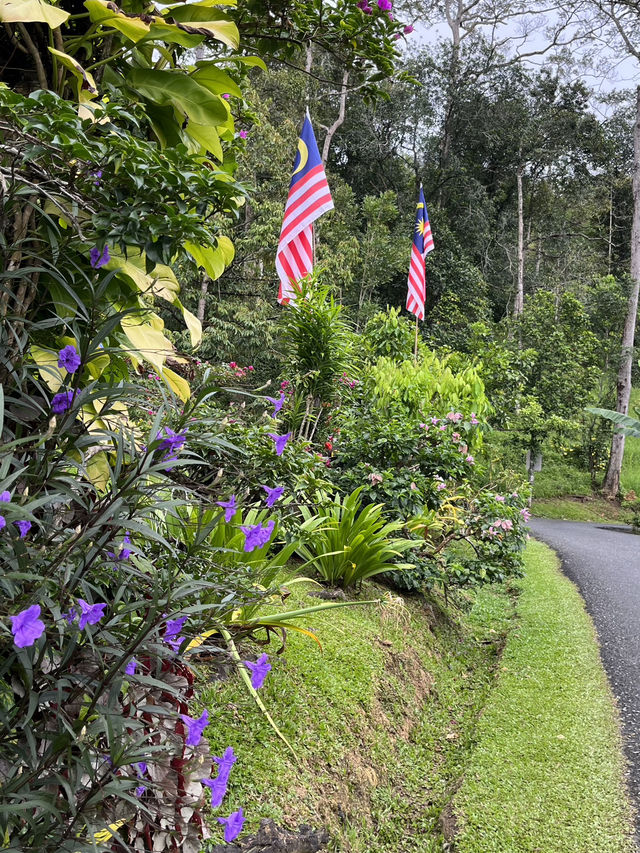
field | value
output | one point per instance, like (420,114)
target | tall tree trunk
(202,302)
(518,305)
(611,485)
(339,120)
(610,240)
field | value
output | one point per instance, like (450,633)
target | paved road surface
(605,565)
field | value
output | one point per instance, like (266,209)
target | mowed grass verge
(547,772)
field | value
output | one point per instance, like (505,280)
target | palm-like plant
(348,544)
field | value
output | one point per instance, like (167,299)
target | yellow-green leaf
(192,323)
(147,342)
(215,79)
(28,11)
(101,12)
(207,136)
(201,18)
(47,361)
(86,82)
(178,385)
(98,470)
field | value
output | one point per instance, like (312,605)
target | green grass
(383,720)
(589,508)
(630,477)
(546,774)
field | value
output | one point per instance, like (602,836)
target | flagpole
(415,345)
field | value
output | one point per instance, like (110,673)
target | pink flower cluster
(240,372)
(344,380)
(504,524)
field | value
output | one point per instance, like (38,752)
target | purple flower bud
(23,526)
(131,667)
(385,5)
(98,259)
(408,29)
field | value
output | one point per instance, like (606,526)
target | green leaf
(85,80)
(101,12)
(200,18)
(207,136)
(168,88)
(215,79)
(28,11)
(213,261)
(251,61)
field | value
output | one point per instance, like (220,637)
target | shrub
(348,543)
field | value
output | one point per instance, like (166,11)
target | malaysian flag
(309,197)
(422,245)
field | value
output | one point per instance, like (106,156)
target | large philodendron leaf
(102,12)
(31,11)
(208,74)
(201,18)
(172,88)
(85,81)
(213,261)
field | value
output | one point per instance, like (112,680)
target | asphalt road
(605,565)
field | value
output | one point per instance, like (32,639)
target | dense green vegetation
(180,456)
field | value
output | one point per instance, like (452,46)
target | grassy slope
(591,508)
(546,773)
(382,720)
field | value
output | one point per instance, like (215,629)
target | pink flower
(455,436)
(232,364)
(413,487)
(243,134)
(454,416)
(441,486)
(500,498)
(470,460)
(474,419)
(408,29)
(375,479)
(226,96)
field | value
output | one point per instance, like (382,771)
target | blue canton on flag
(309,197)
(422,245)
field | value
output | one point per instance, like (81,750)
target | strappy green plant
(348,543)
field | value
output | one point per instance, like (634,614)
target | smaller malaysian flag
(309,197)
(422,245)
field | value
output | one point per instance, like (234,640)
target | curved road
(605,565)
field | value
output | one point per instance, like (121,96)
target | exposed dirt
(272,838)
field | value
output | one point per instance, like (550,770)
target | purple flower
(280,441)
(229,507)
(218,788)
(69,359)
(5,497)
(278,403)
(27,626)
(226,762)
(3,522)
(131,667)
(408,29)
(470,459)
(62,402)
(195,727)
(385,5)
(273,495)
(174,626)
(243,134)
(140,790)
(70,615)
(397,36)
(226,96)
(90,614)
(142,768)
(24,527)
(259,670)
(97,175)
(98,259)
(172,442)
(256,535)
(232,825)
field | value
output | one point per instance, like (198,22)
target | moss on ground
(382,720)
(546,774)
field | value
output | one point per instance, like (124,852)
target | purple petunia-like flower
(174,626)
(218,788)
(69,358)
(97,258)
(23,526)
(278,403)
(3,522)
(172,443)
(229,507)
(256,535)
(90,614)
(280,441)
(124,552)
(131,667)
(259,670)
(27,626)
(195,727)
(232,825)
(273,495)
(385,5)
(5,497)
(62,402)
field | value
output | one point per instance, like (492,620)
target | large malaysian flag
(309,197)
(422,245)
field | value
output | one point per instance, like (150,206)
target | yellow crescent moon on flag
(420,204)
(303,151)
